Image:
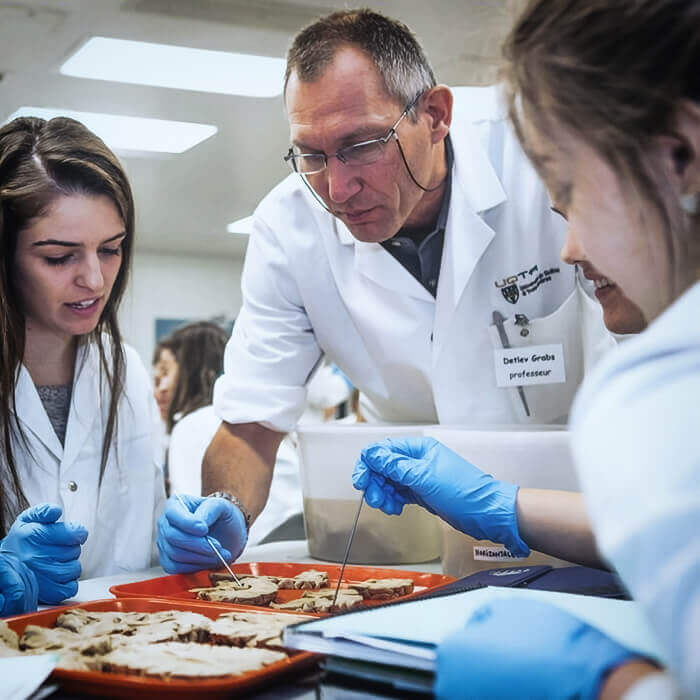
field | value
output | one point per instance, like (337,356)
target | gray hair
(390,44)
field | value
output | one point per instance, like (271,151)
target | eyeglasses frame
(383,140)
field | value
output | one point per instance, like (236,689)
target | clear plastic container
(327,457)
(533,458)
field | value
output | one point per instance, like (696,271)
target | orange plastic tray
(121,685)
(176,586)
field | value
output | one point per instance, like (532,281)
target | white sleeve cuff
(656,686)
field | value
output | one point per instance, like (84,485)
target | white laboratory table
(287,551)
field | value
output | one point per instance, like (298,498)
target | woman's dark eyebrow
(53,241)
(70,244)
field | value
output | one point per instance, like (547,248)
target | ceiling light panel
(122,133)
(162,65)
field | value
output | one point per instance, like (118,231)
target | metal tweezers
(347,552)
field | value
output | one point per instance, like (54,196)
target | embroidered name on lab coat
(524,282)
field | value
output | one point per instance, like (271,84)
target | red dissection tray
(121,685)
(176,586)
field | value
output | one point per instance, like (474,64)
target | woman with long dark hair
(75,426)
(186,364)
(195,355)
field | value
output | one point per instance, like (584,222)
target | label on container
(482,553)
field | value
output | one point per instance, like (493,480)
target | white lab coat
(120,516)
(189,441)
(310,288)
(635,445)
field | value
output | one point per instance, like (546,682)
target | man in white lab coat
(414,245)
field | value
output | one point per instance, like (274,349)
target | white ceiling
(184,202)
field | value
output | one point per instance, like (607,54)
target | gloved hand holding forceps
(397,471)
(182,533)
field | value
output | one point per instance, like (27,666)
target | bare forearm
(240,459)
(556,523)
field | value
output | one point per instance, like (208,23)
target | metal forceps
(347,551)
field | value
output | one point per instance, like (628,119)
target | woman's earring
(690,203)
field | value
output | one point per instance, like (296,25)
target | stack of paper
(407,634)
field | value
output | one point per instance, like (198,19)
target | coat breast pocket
(577,332)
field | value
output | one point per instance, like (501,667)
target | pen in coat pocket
(498,320)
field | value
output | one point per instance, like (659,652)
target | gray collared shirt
(419,249)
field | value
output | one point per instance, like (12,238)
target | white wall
(176,286)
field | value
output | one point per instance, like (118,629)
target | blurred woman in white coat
(186,364)
(75,403)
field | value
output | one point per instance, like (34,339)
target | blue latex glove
(181,533)
(395,472)
(49,548)
(18,587)
(526,649)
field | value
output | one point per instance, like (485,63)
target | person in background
(165,371)
(326,391)
(186,365)
(410,223)
(606,99)
(75,406)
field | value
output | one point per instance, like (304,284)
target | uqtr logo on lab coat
(511,290)
(511,293)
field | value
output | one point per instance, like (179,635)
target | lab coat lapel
(33,416)
(379,266)
(86,402)
(475,189)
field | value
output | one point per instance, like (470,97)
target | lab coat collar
(85,406)
(86,402)
(473,173)
(32,414)
(475,189)
(384,269)
(375,263)
(467,237)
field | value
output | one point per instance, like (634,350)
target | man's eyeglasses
(363,153)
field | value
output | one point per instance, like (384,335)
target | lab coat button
(72,486)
